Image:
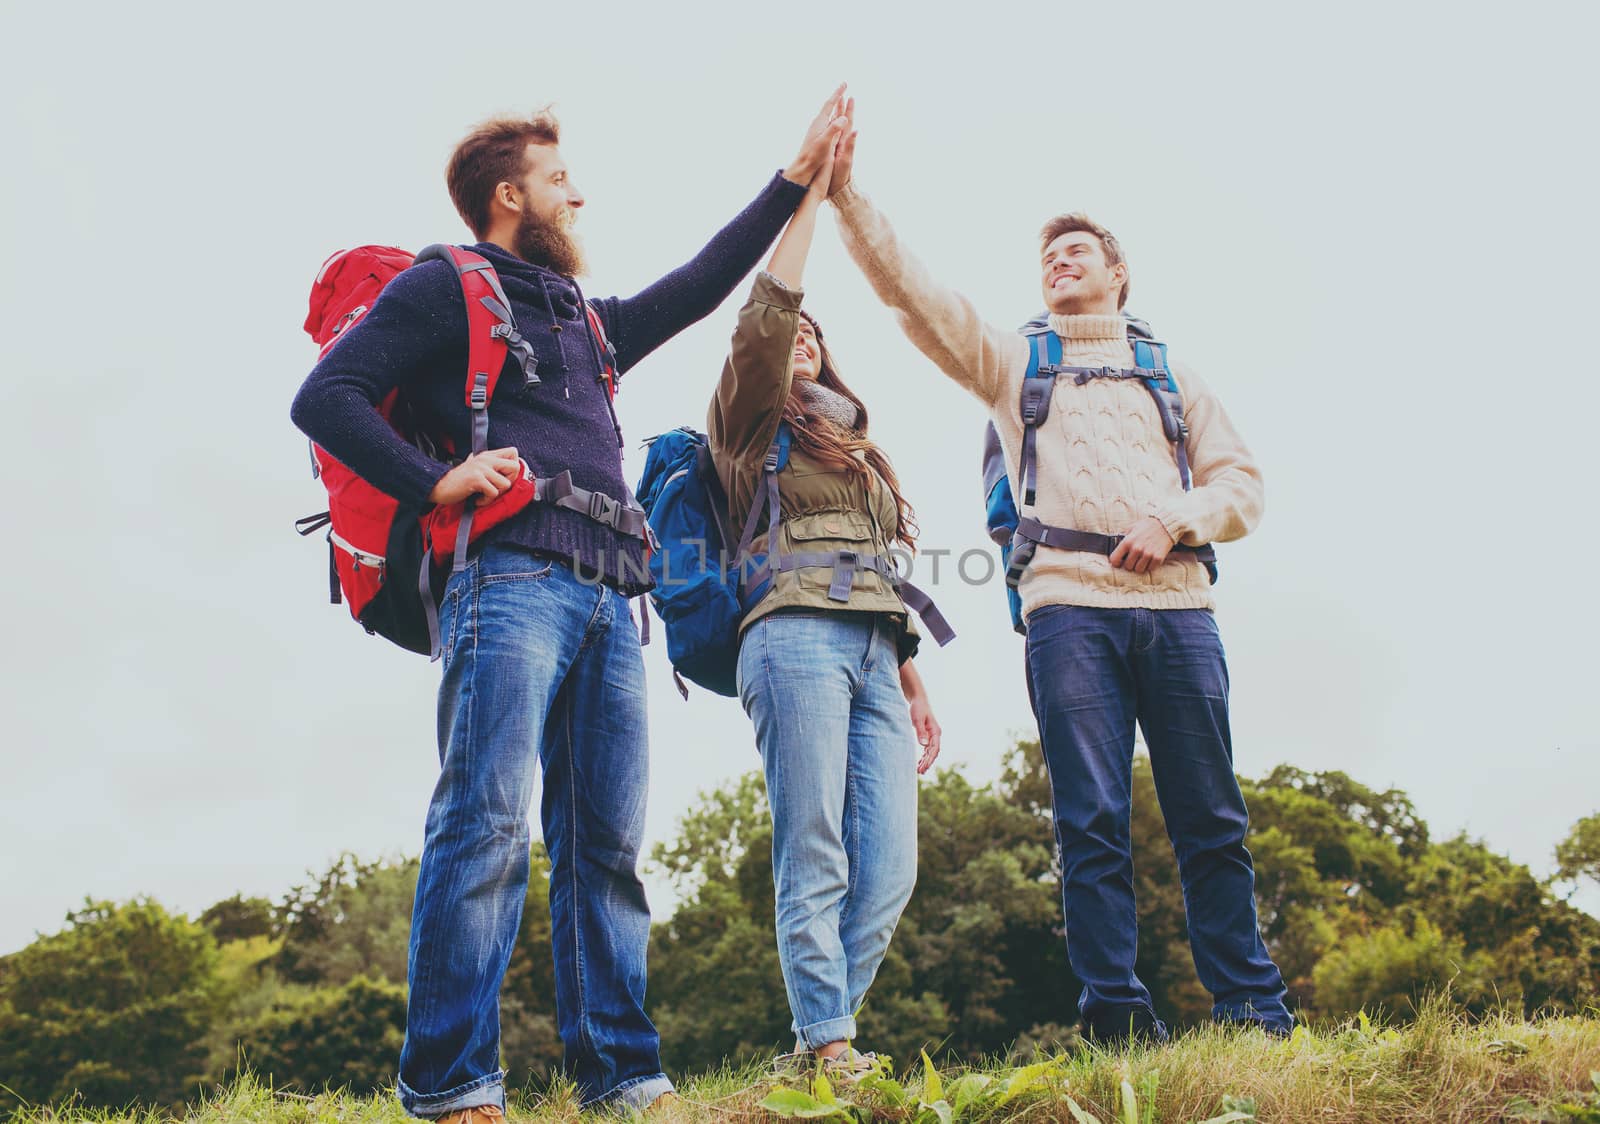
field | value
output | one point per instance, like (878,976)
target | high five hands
(828,137)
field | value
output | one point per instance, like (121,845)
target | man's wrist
(800,173)
(1167,526)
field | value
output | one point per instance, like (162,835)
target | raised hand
(844,153)
(819,189)
(821,135)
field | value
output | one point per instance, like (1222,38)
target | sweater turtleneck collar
(1090,327)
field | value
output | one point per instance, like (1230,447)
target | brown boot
(477,1114)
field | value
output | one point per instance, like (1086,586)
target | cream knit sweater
(1104,462)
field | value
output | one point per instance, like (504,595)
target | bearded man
(540,652)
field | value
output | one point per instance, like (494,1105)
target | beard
(540,241)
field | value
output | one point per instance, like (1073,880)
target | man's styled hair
(495,152)
(1078,222)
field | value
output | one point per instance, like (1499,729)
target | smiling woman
(825,669)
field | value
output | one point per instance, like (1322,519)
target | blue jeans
(834,731)
(538,666)
(1092,673)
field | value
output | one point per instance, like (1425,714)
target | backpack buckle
(1022,550)
(603,509)
(1034,396)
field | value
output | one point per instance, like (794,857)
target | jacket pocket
(827,532)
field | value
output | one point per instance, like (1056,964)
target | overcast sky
(1369,227)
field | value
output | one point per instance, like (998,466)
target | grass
(1440,1069)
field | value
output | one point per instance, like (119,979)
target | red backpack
(387,561)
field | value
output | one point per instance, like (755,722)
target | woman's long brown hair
(837,448)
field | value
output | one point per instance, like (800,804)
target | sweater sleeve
(412,327)
(1228,495)
(941,322)
(756,376)
(639,324)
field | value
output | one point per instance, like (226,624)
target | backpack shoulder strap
(491,330)
(1150,356)
(766,497)
(608,354)
(1038,385)
(491,335)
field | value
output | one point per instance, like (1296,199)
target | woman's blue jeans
(834,731)
(1091,674)
(540,669)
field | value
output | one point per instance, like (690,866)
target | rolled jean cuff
(636,1092)
(489,1089)
(829,1030)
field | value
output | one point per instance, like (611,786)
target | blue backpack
(696,567)
(706,580)
(1018,534)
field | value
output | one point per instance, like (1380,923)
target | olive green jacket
(824,509)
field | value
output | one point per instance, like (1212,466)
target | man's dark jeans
(1091,674)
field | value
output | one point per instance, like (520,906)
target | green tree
(1394,967)
(981,938)
(715,986)
(239,918)
(348,1035)
(353,923)
(352,920)
(1389,815)
(247,987)
(1541,952)
(114,1007)
(1578,855)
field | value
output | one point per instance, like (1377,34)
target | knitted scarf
(829,404)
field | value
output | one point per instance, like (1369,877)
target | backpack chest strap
(1150,369)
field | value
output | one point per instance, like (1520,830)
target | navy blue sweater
(415,338)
